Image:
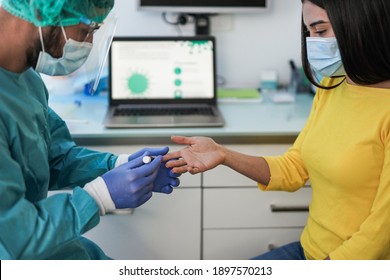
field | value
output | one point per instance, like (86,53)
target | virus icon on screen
(200,46)
(138,83)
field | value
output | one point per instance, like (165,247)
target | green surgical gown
(37,154)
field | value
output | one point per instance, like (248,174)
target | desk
(203,218)
(263,122)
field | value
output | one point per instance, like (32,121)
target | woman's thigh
(292,251)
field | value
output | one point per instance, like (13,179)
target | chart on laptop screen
(176,69)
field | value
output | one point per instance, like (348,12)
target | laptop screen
(180,68)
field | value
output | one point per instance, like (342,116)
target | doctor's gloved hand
(150,152)
(165,180)
(131,184)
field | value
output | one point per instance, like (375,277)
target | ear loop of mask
(41,37)
(63,32)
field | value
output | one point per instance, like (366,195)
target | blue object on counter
(103,86)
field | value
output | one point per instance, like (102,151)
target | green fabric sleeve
(38,230)
(71,165)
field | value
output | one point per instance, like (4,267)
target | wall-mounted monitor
(204,6)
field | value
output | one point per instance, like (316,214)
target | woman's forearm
(255,168)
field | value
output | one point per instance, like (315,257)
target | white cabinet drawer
(186,180)
(223,176)
(167,227)
(243,244)
(251,208)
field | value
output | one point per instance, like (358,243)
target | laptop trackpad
(155,120)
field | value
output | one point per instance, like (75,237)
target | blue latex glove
(131,184)
(165,179)
(150,152)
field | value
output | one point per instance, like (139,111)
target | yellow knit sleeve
(288,172)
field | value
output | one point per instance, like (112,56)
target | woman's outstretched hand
(200,154)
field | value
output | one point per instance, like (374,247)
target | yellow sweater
(344,149)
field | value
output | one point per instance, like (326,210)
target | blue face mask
(324,57)
(74,56)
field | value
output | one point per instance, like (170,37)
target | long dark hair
(362,29)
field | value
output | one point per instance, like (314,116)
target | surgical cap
(58,12)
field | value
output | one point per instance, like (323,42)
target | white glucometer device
(147,159)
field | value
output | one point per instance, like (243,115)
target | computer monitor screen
(162,68)
(204,6)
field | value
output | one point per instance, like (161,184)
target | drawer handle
(277,208)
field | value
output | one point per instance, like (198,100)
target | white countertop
(246,122)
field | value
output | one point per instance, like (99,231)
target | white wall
(255,42)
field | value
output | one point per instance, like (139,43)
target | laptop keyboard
(163,111)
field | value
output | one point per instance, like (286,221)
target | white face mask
(324,56)
(74,56)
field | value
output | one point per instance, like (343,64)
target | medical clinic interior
(239,59)
(219,214)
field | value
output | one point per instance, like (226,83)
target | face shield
(95,26)
(95,66)
(87,48)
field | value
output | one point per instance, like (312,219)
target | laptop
(162,82)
